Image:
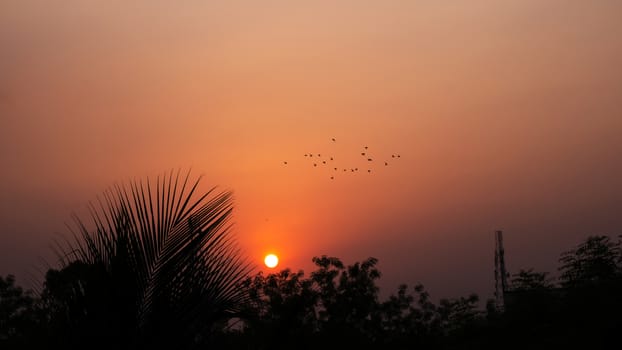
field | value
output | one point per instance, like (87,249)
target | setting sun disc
(271,260)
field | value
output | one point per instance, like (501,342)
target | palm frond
(169,252)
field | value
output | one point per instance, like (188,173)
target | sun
(271,260)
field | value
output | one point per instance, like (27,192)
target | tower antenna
(501,283)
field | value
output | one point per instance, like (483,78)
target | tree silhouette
(338,307)
(282,310)
(160,268)
(592,279)
(410,320)
(19,316)
(348,300)
(595,261)
(583,312)
(528,280)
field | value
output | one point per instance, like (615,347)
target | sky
(506,116)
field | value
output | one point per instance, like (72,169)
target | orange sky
(507,115)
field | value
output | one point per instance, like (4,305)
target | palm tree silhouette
(166,260)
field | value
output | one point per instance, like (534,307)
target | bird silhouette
(340,167)
(285,163)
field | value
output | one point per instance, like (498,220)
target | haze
(507,115)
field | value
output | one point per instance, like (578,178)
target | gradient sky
(507,115)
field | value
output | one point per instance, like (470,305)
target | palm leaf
(170,253)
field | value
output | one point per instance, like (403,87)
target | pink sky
(507,115)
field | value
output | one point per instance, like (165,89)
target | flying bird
(369,159)
(314,164)
(385,163)
(362,153)
(285,163)
(333,139)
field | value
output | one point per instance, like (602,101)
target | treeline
(337,306)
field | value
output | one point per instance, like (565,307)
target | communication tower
(501,282)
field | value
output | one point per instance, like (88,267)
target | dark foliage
(20,319)
(337,307)
(591,264)
(159,269)
(583,311)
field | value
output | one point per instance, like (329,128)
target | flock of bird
(318,160)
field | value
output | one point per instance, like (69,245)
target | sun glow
(271,260)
